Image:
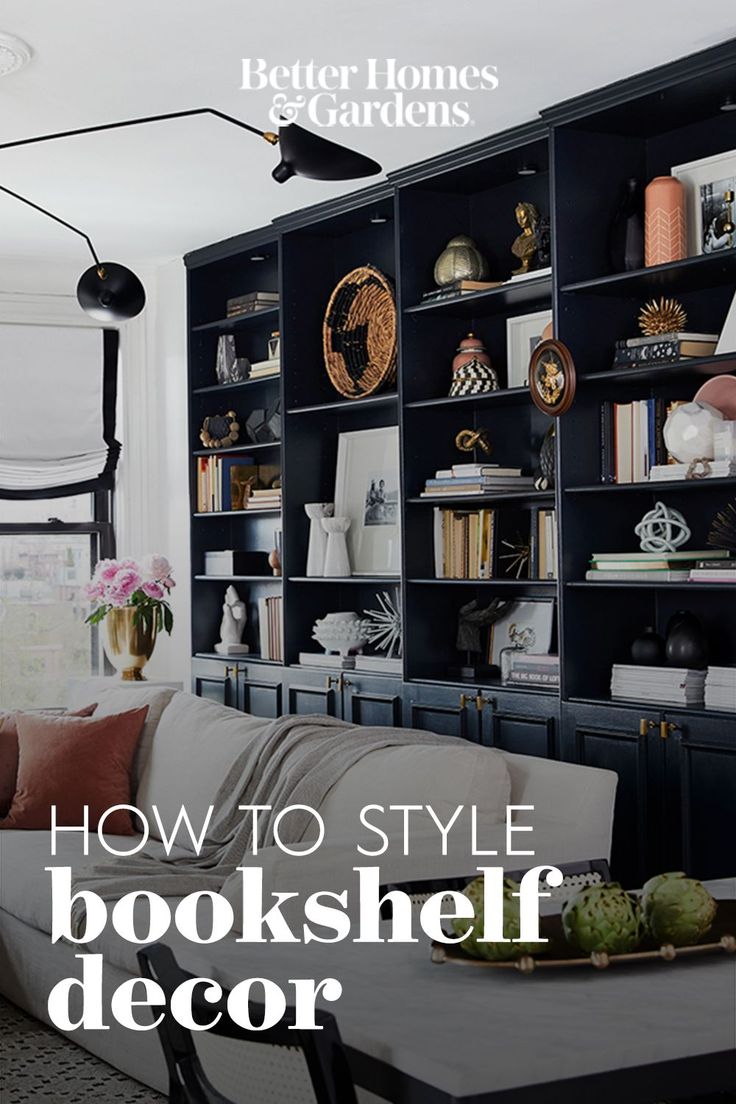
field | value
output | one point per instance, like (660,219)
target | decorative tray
(560,954)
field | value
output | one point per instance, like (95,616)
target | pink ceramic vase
(665,228)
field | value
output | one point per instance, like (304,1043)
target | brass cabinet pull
(230,671)
(346,681)
(666,728)
(645,726)
(464,699)
(480,702)
(332,680)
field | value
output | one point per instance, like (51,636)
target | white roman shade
(58,388)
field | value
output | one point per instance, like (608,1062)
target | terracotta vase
(665,226)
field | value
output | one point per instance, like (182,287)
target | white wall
(152,508)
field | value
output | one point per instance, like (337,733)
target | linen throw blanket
(295,760)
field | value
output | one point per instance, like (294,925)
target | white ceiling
(155,192)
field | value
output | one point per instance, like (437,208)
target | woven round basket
(359,333)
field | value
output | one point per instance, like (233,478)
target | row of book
(720,688)
(370,664)
(270,628)
(632,441)
(669,685)
(264,369)
(236,483)
(250,302)
(530,669)
(475,479)
(466,544)
(635,352)
(711,565)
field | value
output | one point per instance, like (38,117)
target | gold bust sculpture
(525,246)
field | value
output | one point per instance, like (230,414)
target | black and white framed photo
(711,188)
(523,334)
(367,491)
(526,625)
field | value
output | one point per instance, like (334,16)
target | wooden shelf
(655,486)
(230,387)
(691,274)
(340,406)
(637,584)
(505,396)
(238,658)
(237,513)
(524,584)
(227,324)
(487,683)
(238,578)
(637,703)
(237,448)
(663,373)
(367,580)
(512,294)
(530,495)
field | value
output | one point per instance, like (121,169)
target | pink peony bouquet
(145,586)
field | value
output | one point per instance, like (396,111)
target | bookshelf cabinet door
(372,701)
(525,724)
(448,710)
(313,692)
(261,691)
(216,680)
(701,795)
(612,739)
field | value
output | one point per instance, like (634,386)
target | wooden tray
(560,954)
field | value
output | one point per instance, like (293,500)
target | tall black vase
(687,644)
(626,233)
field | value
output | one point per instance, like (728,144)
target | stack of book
(633,352)
(546,544)
(529,669)
(475,479)
(262,369)
(720,688)
(379,664)
(631,439)
(270,627)
(718,469)
(647,567)
(459,287)
(269,498)
(714,568)
(327,659)
(669,685)
(463,543)
(250,302)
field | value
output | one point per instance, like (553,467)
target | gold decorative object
(129,646)
(469,439)
(460,260)
(359,333)
(558,953)
(518,557)
(220,430)
(524,248)
(663,316)
(552,377)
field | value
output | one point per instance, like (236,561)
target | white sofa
(186,749)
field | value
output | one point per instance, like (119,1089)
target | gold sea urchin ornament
(661,317)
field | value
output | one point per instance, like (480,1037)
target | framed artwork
(367,491)
(552,378)
(727,340)
(523,334)
(711,186)
(528,623)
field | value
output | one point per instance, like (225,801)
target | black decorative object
(544,477)
(263,427)
(470,621)
(626,233)
(687,644)
(723,530)
(648,649)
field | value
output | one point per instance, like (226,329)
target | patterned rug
(39,1066)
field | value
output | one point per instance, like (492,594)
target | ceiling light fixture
(14,54)
(111,291)
(258,256)
(729,104)
(526,170)
(378,219)
(108,291)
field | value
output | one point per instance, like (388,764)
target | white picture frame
(535,614)
(705,181)
(727,340)
(367,490)
(523,334)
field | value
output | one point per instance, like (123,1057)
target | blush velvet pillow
(9,753)
(71,762)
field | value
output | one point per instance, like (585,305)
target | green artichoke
(602,918)
(494,952)
(676,909)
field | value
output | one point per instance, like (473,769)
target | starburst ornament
(663,316)
(383,627)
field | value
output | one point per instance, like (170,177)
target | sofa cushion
(9,754)
(73,762)
(118,699)
(443,777)
(196,743)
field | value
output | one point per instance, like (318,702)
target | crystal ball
(688,432)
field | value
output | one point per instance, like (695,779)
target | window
(48,549)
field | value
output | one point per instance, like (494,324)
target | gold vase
(128,647)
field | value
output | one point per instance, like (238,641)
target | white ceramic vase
(341,633)
(317,547)
(337,560)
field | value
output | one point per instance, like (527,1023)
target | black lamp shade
(110,292)
(307,154)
